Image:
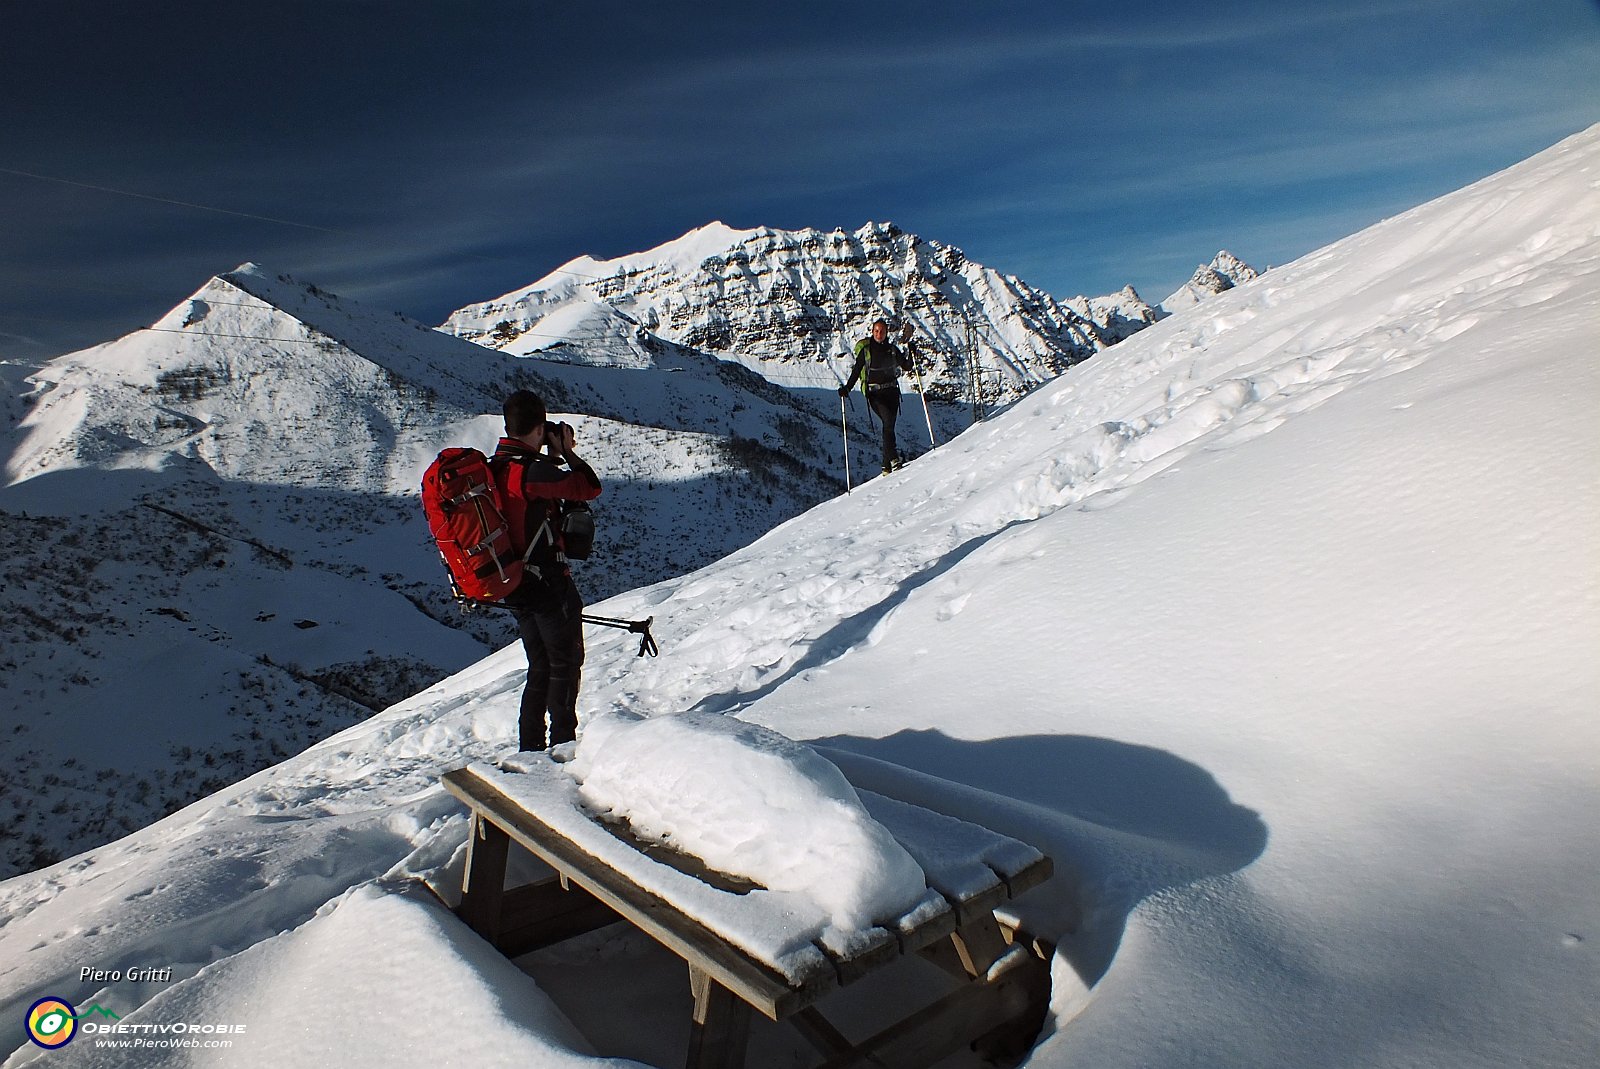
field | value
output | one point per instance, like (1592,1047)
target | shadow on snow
(1122,822)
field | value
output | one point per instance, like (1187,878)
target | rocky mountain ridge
(789,304)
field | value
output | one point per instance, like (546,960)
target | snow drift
(749,802)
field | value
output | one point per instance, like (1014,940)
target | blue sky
(424,156)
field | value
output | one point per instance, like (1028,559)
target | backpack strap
(545,531)
(544,534)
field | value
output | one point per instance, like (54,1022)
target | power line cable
(259,218)
(311,341)
(170,200)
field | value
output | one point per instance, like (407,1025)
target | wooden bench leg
(485,883)
(980,944)
(820,1033)
(720,1032)
(1002,1013)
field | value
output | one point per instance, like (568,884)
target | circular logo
(52,1022)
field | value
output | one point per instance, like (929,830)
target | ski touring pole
(925,415)
(844,425)
(647,641)
(916,367)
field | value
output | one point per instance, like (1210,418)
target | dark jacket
(533,485)
(882,362)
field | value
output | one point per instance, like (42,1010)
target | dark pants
(885,404)
(551,627)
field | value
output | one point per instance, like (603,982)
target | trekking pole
(925,415)
(844,425)
(647,642)
(916,366)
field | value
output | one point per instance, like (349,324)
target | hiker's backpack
(467,518)
(575,521)
(577,530)
(864,353)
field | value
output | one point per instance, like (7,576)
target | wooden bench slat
(1031,876)
(757,983)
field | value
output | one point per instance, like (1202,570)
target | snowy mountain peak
(246,286)
(256,376)
(791,304)
(684,253)
(1223,273)
(1226,265)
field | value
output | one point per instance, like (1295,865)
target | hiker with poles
(505,527)
(879,363)
(528,471)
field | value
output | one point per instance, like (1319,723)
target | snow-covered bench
(738,940)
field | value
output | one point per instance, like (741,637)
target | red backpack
(467,518)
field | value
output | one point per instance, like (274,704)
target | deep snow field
(1275,626)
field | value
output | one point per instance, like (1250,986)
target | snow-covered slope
(789,303)
(1275,627)
(214,554)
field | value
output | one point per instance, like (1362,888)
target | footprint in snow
(952,608)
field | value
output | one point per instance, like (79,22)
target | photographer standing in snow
(881,362)
(528,469)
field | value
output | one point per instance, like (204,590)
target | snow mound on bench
(749,802)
